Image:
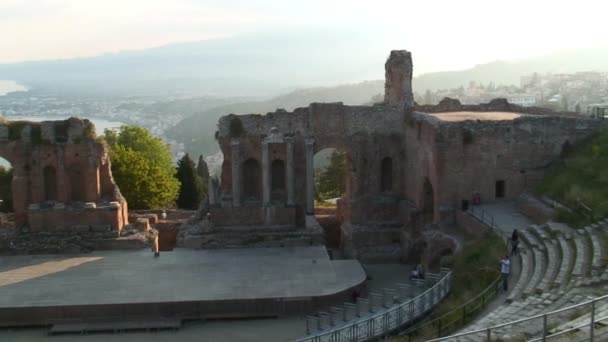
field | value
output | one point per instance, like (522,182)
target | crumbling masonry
(62,178)
(409,167)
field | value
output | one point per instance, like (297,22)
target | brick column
(236,172)
(310,184)
(290,172)
(265,175)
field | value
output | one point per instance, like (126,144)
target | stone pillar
(265,175)
(236,172)
(211,191)
(290,172)
(310,184)
(398,79)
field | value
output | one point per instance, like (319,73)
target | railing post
(464,314)
(544,328)
(592,326)
(489,335)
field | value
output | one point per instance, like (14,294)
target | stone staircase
(560,267)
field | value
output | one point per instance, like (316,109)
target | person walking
(514,242)
(505,270)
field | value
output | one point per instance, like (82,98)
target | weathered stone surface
(57,165)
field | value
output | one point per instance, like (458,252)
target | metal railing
(482,215)
(383,323)
(575,323)
(456,318)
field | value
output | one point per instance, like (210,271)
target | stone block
(142,224)
(100,227)
(114,204)
(81,228)
(59,206)
(4,132)
(47,131)
(90,205)
(34,206)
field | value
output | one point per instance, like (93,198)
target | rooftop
(463,116)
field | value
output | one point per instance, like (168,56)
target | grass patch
(324,204)
(475,268)
(579,181)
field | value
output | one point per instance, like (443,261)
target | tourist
(505,270)
(476,198)
(163,215)
(514,242)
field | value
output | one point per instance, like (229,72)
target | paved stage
(126,277)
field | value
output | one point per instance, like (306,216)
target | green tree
(6,193)
(142,167)
(190,190)
(331,180)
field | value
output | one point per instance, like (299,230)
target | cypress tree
(190,190)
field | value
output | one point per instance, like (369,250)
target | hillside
(197,132)
(509,72)
(579,180)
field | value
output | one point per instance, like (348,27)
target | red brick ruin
(62,176)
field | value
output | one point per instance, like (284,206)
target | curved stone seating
(566,264)
(553,260)
(527,270)
(539,263)
(582,255)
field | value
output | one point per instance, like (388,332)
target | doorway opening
(500,189)
(330,188)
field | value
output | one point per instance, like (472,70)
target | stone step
(553,258)
(568,259)
(582,255)
(539,263)
(598,259)
(527,270)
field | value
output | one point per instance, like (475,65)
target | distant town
(579,92)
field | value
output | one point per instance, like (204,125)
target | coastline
(8,86)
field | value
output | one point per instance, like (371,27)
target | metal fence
(582,322)
(482,216)
(456,318)
(383,323)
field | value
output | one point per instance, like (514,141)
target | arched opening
(386,175)
(277,182)
(252,181)
(6,186)
(428,202)
(76,183)
(330,167)
(50,183)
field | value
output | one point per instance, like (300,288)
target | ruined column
(290,172)
(310,185)
(265,175)
(211,191)
(398,79)
(236,172)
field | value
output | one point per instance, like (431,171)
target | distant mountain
(197,131)
(501,72)
(260,64)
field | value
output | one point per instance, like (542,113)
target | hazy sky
(443,35)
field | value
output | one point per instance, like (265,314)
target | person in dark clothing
(514,242)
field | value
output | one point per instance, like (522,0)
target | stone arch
(386,175)
(50,183)
(428,202)
(277,180)
(252,180)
